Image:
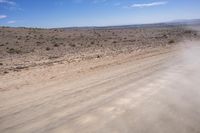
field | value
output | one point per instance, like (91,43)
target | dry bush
(56,45)
(47,49)
(72,45)
(114,41)
(171,41)
(14,51)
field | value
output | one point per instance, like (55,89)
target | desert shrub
(5,72)
(171,41)
(38,43)
(164,36)
(72,45)
(1,64)
(188,32)
(114,41)
(92,42)
(53,57)
(98,56)
(14,51)
(21,67)
(56,45)
(47,49)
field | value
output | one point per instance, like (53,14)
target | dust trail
(190,53)
(174,105)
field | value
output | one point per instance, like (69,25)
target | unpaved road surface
(157,93)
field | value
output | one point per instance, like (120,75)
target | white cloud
(3,16)
(7,2)
(149,4)
(11,22)
(10,5)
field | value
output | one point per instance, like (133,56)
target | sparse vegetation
(14,51)
(38,43)
(47,49)
(53,57)
(188,31)
(171,41)
(98,56)
(72,45)
(5,72)
(28,42)
(114,41)
(56,45)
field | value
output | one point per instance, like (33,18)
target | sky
(76,13)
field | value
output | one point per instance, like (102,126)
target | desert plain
(100,80)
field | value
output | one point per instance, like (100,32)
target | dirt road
(154,93)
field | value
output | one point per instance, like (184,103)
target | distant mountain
(185,22)
(163,24)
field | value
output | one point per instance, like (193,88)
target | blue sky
(67,13)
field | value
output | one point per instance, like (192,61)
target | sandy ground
(154,91)
(23,48)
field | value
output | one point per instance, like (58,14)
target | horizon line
(107,26)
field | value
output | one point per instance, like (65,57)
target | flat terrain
(22,48)
(149,88)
